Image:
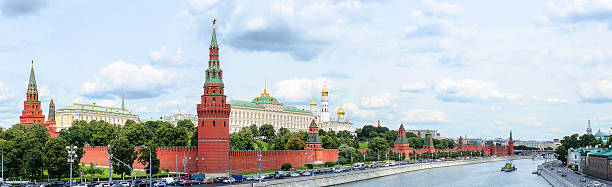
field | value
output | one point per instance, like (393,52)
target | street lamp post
(71,153)
(150,165)
(3,164)
(313,161)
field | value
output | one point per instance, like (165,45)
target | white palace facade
(268,110)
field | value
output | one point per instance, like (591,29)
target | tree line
(578,141)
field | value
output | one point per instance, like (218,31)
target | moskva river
(484,174)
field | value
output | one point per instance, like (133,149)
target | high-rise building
(213,118)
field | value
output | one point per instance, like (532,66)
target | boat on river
(508,167)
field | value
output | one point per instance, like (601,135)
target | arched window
(213,100)
(224,124)
(214,123)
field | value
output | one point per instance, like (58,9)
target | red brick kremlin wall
(241,161)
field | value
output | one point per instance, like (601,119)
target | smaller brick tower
(313,142)
(428,145)
(401,144)
(51,120)
(32,112)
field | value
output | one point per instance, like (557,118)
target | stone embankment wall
(552,178)
(342,178)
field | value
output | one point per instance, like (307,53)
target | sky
(478,68)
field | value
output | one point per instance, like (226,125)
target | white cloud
(469,90)
(299,89)
(133,81)
(550,100)
(415,87)
(162,57)
(596,91)
(423,116)
(575,12)
(435,8)
(4,93)
(354,110)
(379,101)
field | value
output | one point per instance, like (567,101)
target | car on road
(220,179)
(305,173)
(294,174)
(564,174)
(595,184)
(208,181)
(186,183)
(159,184)
(229,180)
(583,179)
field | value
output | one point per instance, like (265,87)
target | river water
(483,174)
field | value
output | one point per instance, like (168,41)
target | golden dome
(313,103)
(340,111)
(265,94)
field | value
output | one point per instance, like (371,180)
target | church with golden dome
(324,117)
(266,109)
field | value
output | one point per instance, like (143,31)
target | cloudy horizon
(470,68)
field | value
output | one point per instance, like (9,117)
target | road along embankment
(347,177)
(552,178)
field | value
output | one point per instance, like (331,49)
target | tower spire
(213,41)
(123,102)
(589,129)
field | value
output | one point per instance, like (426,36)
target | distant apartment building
(421,133)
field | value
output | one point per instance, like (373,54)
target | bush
(309,166)
(330,164)
(286,167)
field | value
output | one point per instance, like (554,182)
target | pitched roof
(244,104)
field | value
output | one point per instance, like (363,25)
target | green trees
(55,156)
(378,143)
(168,135)
(575,141)
(295,143)
(267,131)
(242,140)
(123,150)
(345,152)
(144,154)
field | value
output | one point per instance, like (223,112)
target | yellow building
(66,116)
(267,110)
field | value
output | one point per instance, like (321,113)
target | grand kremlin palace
(267,110)
(66,116)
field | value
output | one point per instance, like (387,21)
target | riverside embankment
(553,179)
(349,177)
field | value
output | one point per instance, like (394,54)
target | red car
(186,183)
(208,181)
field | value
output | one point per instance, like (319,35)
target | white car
(294,174)
(229,180)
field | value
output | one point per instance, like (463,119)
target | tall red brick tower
(51,120)
(510,145)
(313,142)
(31,112)
(213,118)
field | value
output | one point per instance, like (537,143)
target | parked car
(220,179)
(305,173)
(258,177)
(208,181)
(186,182)
(229,180)
(238,177)
(583,179)
(159,184)
(294,174)
(564,174)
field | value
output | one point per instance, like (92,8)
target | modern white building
(66,116)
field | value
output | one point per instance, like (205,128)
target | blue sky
(476,68)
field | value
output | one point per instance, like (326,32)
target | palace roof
(97,108)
